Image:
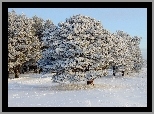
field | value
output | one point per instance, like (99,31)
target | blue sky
(130,20)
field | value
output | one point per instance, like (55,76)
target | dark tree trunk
(114,70)
(16,71)
(122,73)
(16,75)
(35,71)
(40,70)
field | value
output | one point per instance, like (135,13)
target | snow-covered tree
(126,51)
(23,45)
(38,26)
(48,33)
(79,47)
(136,53)
(121,52)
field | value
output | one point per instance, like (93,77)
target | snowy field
(35,90)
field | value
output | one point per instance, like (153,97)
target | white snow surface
(36,90)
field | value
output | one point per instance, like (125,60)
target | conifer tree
(23,45)
(79,48)
(48,33)
(38,26)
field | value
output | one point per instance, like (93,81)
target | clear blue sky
(130,20)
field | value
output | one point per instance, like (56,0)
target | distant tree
(126,51)
(136,54)
(121,51)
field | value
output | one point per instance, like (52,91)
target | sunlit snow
(36,90)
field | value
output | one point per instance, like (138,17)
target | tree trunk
(113,74)
(35,71)
(122,73)
(16,72)
(114,71)
(16,75)
(40,70)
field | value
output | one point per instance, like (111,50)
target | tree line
(77,49)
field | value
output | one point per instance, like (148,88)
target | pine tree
(126,51)
(122,53)
(38,26)
(23,45)
(136,53)
(48,33)
(79,48)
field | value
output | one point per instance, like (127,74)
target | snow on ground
(36,90)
